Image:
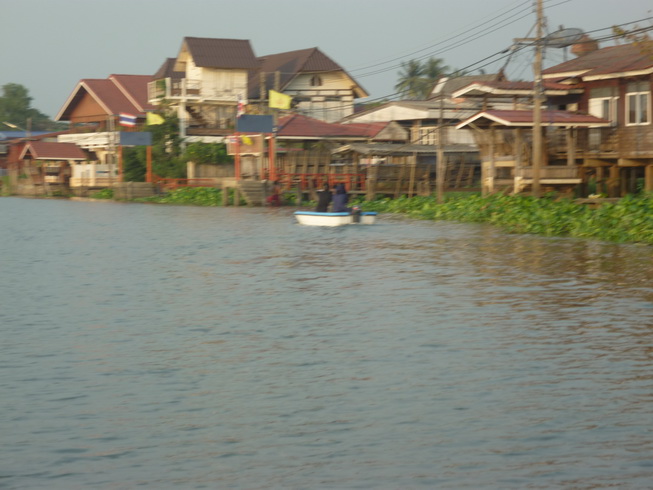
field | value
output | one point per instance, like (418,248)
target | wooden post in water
(148,164)
(648,178)
(440,168)
(400,180)
(236,196)
(411,182)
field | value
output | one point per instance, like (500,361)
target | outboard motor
(356,213)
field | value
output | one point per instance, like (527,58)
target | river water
(185,347)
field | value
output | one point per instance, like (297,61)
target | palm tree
(411,79)
(434,69)
(417,78)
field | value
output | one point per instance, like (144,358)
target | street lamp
(28,132)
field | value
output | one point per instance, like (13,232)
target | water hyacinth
(628,220)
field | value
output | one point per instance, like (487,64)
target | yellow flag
(153,119)
(279,100)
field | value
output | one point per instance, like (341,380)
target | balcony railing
(549,173)
(187,89)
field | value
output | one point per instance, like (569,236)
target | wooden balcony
(190,90)
(551,174)
(615,142)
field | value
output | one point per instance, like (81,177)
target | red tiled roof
(611,60)
(517,118)
(43,150)
(296,125)
(135,89)
(109,95)
(289,65)
(116,94)
(221,53)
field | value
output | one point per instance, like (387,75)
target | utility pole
(537,103)
(440,167)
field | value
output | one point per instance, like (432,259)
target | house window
(603,104)
(426,135)
(316,81)
(638,104)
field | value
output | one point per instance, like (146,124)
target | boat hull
(312,218)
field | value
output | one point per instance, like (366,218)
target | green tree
(416,78)
(434,68)
(167,160)
(411,80)
(15,108)
(207,153)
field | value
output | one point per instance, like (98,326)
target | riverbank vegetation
(628,220)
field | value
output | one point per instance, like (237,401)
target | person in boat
(323,199)
(340,200)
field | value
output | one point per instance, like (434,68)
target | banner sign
(135,138)
(249,123)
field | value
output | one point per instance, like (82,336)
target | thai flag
(127,119)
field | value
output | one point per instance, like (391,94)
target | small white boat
(314,218)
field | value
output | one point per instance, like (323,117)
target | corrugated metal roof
(448,85)
(611,60)
(42,150)
(525,119)
(221,53)
(296,125)
(402,149)
(509,89)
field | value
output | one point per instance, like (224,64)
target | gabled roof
(303,127)
(610,62)
(219,53)
(518,118)
(412,110)
(449,85)
(514,89)
(135,89)
(167,70)
(385,149)
(289,65)
(42,150)
(116,94)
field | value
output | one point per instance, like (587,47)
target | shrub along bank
(628,220)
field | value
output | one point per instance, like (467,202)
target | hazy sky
(49,45)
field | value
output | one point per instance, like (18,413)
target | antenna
(563,38)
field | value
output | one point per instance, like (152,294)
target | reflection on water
(181,347)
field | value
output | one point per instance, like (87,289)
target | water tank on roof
(584,46)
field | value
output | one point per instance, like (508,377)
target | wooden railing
(169,183)
(170,89)
(567,172)
(317,180)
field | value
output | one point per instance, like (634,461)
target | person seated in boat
(323,199)
(340,200)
